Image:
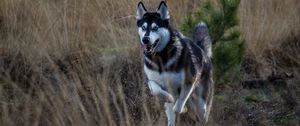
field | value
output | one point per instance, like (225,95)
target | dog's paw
(179,109)
(170,124)
(184,110)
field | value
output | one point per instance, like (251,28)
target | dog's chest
(166,79)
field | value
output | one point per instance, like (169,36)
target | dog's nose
(146,40)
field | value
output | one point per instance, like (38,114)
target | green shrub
(228,46)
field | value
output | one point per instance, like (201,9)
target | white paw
(179,109)
(184,110)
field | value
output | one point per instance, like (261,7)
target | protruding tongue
(146,46)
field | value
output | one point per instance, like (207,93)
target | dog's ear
(140,11)
(163,11)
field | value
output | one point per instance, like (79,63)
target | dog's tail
(201,37)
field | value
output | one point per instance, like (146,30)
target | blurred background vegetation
(228,46)
(74,62)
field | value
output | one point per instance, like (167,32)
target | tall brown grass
(71,62)
(268,26)
(75,62)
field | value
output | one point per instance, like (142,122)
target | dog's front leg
(185,92)
(170,113)
(157,90)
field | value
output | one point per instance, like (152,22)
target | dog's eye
(143,28)
(155,28)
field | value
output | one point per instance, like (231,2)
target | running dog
(176,68)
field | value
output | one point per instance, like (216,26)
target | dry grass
(76,62)
(267,26)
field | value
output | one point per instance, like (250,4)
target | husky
(176,68)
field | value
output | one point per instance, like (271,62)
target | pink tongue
(146,46)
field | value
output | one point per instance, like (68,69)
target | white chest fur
(170,80)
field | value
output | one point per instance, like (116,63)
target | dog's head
(153,28)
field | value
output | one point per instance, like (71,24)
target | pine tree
(228,46)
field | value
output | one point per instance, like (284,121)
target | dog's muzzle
(148,48)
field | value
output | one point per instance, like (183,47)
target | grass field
(76,62)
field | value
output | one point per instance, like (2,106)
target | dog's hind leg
(185,93)
(203,100)
(200,102)
(170,113)
(209,98)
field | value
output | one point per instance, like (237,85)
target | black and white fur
(176,68)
